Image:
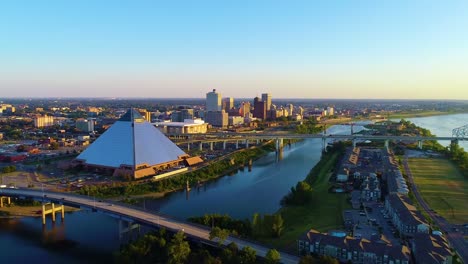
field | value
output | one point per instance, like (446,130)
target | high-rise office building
(244,110)
(228,104)
(266,97)
(180,116)
(259,108)
(217,118)
(144,113)
(213,101)
(86,125)
(290,109)
(43,121)
(330,111)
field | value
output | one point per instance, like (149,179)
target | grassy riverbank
(442,186)
(212,170)
(323,212)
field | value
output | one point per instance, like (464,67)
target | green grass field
(442,187)
(323,213)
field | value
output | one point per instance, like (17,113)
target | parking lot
(377,217)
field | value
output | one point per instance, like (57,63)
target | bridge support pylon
(188,147)
(354,143)
(279,144)
(127,227)
(324,144)
(237,144)
(387,143)
(8,200)
(211,146)
(52,211)
(200,147)
(420,144)
(279,148)
(224,145)
(246,143)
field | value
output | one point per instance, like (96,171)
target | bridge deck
(139,216)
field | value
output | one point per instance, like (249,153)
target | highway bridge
(246,138)
(267,136)
(138,216)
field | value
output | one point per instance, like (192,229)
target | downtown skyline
(325,49)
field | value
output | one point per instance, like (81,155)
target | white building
(189,126)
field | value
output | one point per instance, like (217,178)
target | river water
(442,126)
(92,237)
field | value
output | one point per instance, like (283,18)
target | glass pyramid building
(132,147)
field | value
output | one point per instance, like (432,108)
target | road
(455,238)
(140,216)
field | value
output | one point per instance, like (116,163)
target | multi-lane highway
(139,216)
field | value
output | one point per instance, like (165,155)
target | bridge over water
(139,216)
(459,134)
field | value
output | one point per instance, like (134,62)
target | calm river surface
(92,237)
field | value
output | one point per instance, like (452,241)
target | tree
(278,225)
(256,225)
(328,260)
(230,255)
(308,259)
(272,257)
(248,255)
(179,249)
(219,233)
(54,145)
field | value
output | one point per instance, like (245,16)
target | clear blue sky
(292,49)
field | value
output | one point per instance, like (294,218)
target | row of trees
(309,126)
(162,247)
(460,157)
(267,225)
(8,169)
(261,225)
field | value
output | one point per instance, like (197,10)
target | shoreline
(233,168)
(16,211)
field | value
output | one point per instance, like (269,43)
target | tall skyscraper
(213,101)
(228,104)
(266,97)
(290,109)
(244,110)
(259,108)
